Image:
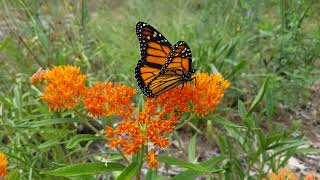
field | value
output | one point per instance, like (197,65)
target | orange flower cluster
(131,135)
(161,114)
(151,126)
(108,99)
(3,165)
(201,98)
(285,174)
(65,85)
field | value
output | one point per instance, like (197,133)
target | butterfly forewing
(154,48)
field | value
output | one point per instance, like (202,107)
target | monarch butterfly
(162,66)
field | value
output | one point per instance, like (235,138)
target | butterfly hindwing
(179,58)
(173,73)
(164,82)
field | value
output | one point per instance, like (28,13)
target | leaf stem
(123,156)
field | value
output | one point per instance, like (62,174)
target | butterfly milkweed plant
(123,134)
(139,131)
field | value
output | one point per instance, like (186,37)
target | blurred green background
(244,40)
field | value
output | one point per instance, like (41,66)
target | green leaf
(285,149)
(231,48)
(226,122)
(84,177)
(273,138)
(4,43)
(191,174)
(269,102)
(259,96)
(209,129)
(74,141)
(309,150)
(41,36)
(242,110)
(222,142)
(236,134)
(15,175)
(192,148)
(236,69)
(151,174)
(141,103)
(49,143)
(85,169)
(196,167)
(187,175)
(35,124)
(129,172)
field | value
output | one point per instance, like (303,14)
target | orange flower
(152,159)
(283,175)
(108,99)
(201,98)
(65,85)
(3,165)
(210,89)
(38,76)
(309,177)
(128,136)
(286,174)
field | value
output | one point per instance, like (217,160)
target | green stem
(194,127)
(184,122)
(123,156)
(179,141)
(140,163)
(246,137)
(85,121)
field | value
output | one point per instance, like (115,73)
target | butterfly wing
(179,58)
(171,75)
(154,48)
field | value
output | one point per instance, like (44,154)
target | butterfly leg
(181,88)
(195,81)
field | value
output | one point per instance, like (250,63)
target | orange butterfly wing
(177,70)
(154,48)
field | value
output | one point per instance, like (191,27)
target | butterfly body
(162,66)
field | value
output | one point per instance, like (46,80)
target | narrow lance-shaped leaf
(235,70)
(46,122)
(74,141)
(192,148)
(259,96)
(242,110)
(129,172)
(191,174)
(269,102)
(85,169)
(174,161)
